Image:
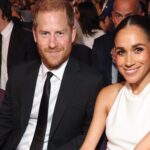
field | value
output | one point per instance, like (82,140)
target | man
(74,87)
(17,44)
(101,57)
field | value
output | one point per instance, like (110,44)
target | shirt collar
(7,30)
(58,73)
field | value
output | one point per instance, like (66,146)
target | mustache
(49,49)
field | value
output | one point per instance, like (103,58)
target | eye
(120,51)
(59,33)
(119,16)
(138,50)
(45,34)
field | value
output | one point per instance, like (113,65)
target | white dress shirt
(6,33)
(55,86)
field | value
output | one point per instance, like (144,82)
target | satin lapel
(68,85)
(27,94)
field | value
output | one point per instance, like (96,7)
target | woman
(124,108)
(87,16)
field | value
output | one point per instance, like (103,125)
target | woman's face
(132,47)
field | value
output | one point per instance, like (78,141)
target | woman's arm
(104,102)
(144,144)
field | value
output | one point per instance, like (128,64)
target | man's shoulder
(25,67)
(22,38)
(104,38)
(85,70)
(21,32)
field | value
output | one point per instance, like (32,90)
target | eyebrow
(139,44)
(128,14)
(119,47)
(133,46)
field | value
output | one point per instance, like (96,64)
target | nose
(52,41)
(129,60)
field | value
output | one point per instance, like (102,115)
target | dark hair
(54,5)
(142,22)
(5,7)
(143,7)
(107,10)
(88,17)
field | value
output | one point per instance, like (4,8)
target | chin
(132,80)
(54,65)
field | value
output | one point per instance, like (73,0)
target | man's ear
(34,33)
(74,33)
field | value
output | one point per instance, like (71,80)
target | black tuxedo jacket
(101,56)
(21,47)
(82,53)
(73,110)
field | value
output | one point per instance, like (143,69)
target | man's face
(54,37)
(122,9)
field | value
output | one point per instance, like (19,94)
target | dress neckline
(145,89)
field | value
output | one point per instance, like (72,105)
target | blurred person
(101,56)
(143,8)
(105,18)
(68,104)
(123,109)
(98,6)
(88,18)
(15,8)
(25,11)
(80,50)
(17,44)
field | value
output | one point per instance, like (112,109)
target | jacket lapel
(12,46)
(68,85)
(27,93)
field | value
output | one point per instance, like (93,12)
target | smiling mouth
(53,51)
(131,71)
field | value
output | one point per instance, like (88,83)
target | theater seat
(102,143)
(2,93)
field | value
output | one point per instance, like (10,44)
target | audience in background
(17,44)
(143,8)
(98,6)
(105,19)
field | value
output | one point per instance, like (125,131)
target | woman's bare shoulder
(112,89)
(108,94)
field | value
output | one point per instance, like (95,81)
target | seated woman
(124,108)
